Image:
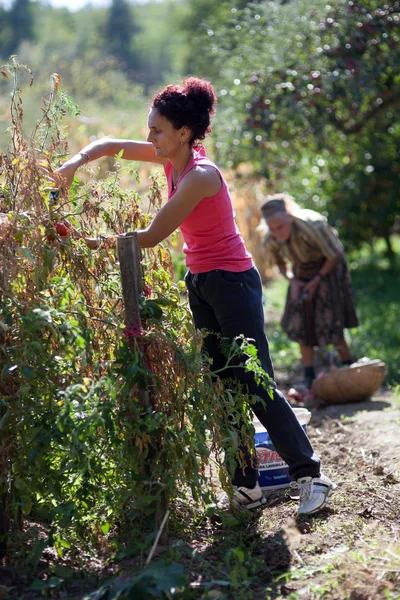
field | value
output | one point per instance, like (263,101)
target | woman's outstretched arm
(131,150)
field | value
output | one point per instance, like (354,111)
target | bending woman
(319,303)
(224,287)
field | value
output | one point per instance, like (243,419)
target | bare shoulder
(206,177)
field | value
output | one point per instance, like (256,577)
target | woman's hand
(311,288)
(92,243)
(106,241)
(295,288)
(65,176)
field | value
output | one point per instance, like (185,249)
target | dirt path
(372,428)
(349,551)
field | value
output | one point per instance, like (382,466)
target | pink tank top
(212,239)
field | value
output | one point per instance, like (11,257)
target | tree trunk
(390,253)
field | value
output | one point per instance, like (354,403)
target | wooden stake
(132,286)
(131,275)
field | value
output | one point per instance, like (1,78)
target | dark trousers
(230,304)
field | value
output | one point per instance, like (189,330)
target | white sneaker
(314,493)
(248,498)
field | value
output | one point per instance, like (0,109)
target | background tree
(198,24)
(72,43)
(5,33)
(20,23)
(159,45)
(307,98)
(119,33)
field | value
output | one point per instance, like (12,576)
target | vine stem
(155,543)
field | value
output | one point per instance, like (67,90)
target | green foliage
(309,97)
(161,55)
(377,301)
(5,31)
(86,45)
(120,19)
(19,21)
(108,89)
(198,24)
(158,580)
(363,187)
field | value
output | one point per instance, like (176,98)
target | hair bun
(188,105)
(200,92)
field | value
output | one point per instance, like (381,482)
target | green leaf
(105,528)
(162,301)
(24,252)
(26,504)
(154,309)
(37,551)
(51,582)
(27,372)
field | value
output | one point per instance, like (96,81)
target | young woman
(224,287)
(319,303)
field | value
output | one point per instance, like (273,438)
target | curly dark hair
(188,105)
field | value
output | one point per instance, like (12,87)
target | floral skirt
(321,321)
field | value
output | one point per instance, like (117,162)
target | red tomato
(61,229)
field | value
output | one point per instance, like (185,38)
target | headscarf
(271,207)
(278,203)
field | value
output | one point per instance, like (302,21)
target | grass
(396,394)
(285,353)
(377,298)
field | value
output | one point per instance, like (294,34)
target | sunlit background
(308,96)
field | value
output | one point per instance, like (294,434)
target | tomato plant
(80,452)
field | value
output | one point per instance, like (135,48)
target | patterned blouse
(311,239)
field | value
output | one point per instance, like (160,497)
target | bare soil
(351,550)
(374,428)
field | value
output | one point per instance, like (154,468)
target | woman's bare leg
(343,350)
(307,355)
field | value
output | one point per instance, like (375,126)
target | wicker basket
(352,384)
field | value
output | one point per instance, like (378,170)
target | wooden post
(131,275)
(131,279)
(132,286)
